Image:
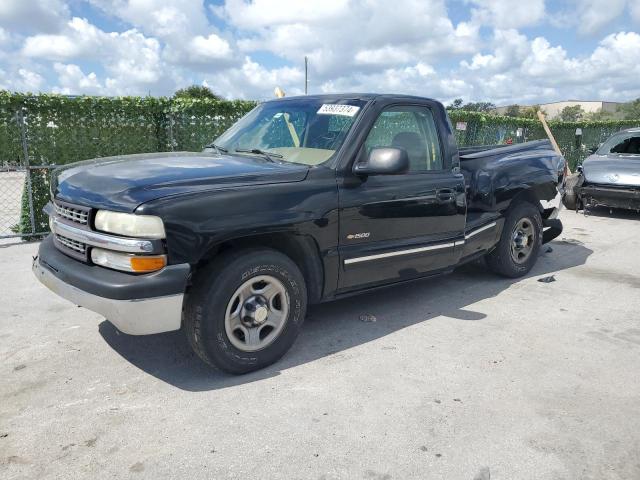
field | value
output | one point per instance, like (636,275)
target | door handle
(445,195)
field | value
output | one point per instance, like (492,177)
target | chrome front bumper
(134,317)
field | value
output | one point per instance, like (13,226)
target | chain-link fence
(40,132)
(575,139)
(20,182)
(11,187)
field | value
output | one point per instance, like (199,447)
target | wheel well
(301,249)
(529,196)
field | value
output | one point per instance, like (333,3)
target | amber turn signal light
(148,264)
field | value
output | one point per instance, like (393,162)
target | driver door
(398,227)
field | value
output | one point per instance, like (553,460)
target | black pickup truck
(304,200)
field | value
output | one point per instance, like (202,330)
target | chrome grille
(73,214)
(71,244)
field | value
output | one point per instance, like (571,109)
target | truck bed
(473,152)
(495,174)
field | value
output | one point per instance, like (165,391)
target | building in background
(554,109)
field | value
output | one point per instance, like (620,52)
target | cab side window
(412,128)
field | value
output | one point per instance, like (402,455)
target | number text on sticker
(335,109)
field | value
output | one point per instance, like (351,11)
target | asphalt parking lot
(468,376)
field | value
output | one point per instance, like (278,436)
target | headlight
(130,225)
(128,262)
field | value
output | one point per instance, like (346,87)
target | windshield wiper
(257,151)
(216,148)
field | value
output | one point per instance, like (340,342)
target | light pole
(306,74)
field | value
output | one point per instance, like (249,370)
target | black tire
(208,301)
(500,260)
(570,198)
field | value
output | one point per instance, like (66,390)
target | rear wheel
(245,310)
(519,245)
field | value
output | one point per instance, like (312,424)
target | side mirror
(384,161)
(594,149)
(579,169)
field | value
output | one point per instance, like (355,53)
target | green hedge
(484,129)
(40,195)
(61,130)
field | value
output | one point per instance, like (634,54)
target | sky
(501,51)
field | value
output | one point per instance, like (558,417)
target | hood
(123,183)
(612,169)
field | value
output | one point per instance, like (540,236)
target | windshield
(302,131)
(625,143)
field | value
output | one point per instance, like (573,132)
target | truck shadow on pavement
(334,327)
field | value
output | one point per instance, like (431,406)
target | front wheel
(520,242)
(570,198)
(245,310)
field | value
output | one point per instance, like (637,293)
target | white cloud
(135,60)
(540,71)
(268,13)
(549,63)
(80,39)
(634,9)
(33,15)
(162,18)
(403,46)
(505,14)
(187,39)
(593,15)
(52,47)
(252,80)
(384,56)
(72,80)
(131,60)
(211,47)
(342,36)
(280,40)
(4,37)
(22,80)
(419,79)
(616,61)
(31,80)
(511,48)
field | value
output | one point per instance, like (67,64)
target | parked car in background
(610,177)
(304,200)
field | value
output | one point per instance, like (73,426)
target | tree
(572,114)
(531,112)
(630,110)
(513,111)
(478,107)
(456,105)
(196,91)
(598,116)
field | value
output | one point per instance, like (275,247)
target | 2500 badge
(355,236)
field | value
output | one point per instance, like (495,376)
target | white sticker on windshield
(335,109)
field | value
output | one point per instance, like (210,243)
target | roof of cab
(350,96)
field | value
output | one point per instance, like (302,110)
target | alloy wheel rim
(256,313)
(522,240)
